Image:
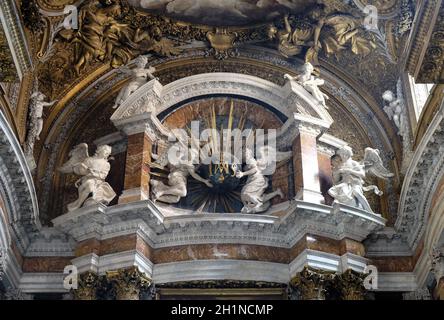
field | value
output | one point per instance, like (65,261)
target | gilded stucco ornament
(103,36)
(321,29)
(92,187)
(350,175)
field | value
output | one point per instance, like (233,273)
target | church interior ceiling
(182,38)
(70,91)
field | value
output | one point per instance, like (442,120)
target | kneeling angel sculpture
(253,195)
(93,170)
(179,160)
(351,174)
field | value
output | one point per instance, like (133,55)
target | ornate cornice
(432,65)
(424,22)
(420,184)
(17,187)
(160,230)
(16,37)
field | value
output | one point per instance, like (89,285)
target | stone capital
(128,283)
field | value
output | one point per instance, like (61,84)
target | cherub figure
(139,76)
(351,174)
(93,170)
(394,108)
(310,83)
(36,119)
(253,194)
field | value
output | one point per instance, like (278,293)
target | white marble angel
(253,195)
(310,83)
(350,177)
(36,119)
(139,76)
(180,160)
(93,170)
(394,107)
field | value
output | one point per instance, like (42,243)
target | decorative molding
(160,231)
(17,186)
(15,34)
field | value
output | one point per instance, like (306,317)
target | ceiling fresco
(223,13)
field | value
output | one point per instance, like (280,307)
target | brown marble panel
(305,163)
(318,243)
(87,247)
(118,244)
(325,176)
(138,155)
(45,264)
(393,264)
(221,251)
(280,180)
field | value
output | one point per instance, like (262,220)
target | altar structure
(156,154)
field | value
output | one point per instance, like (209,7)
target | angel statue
(253,195)
(351,174)
(310,83)
(139,76)
(36,119)
(179,159)
(93,170)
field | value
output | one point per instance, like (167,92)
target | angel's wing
(76,157)
(268,157)
(373,164)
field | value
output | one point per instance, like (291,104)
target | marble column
(137,170)
(306,164)
(136,118)
(128,283)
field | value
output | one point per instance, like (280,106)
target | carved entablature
(426,58)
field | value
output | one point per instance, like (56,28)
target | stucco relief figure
(102,37)
(334,32)
(139,76)
(253,195)
(310,83)
(290,41)
(36,120)
(92,187)
(179,160)
(350,177)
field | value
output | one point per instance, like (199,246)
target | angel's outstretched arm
(199,178)
(240,174)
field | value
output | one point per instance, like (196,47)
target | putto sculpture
(350,177)
(36,121)
(139,76)
(310,83)
(92,187)
(253,195)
